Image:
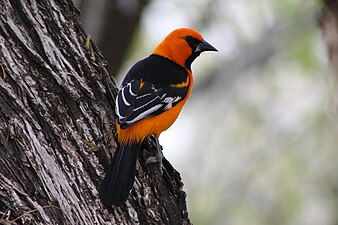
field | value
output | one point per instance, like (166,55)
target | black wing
(150,88)
(134,104)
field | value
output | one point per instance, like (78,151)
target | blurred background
(257,142)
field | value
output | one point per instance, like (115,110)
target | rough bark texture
(57,127)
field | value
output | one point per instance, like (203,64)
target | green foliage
(303,51)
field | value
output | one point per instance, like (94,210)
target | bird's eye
(192,41)
(188,38)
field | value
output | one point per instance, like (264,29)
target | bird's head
(183,46)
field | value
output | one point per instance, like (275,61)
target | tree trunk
(328,22)
(57,127)
(102,19)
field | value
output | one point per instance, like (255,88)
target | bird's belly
(149,126)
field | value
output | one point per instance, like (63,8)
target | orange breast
(153,125)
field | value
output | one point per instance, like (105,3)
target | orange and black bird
(149,101)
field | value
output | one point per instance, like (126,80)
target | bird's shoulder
(157,70)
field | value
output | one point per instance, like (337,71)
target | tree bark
(328,23)
(57,127)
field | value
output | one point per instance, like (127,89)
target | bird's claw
(155,159)
(158,157)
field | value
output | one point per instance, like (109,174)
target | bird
(148,102)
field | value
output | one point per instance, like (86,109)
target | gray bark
(57,127)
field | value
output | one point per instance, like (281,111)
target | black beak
(205,46)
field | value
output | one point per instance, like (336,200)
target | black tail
(120,176)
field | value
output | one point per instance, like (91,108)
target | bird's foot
(159,156)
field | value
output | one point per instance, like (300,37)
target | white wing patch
(170,101)
(144,114)
(134,104)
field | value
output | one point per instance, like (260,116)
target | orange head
(183,46)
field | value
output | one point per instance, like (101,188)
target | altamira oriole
(151,96)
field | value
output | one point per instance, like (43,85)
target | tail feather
(120,175)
